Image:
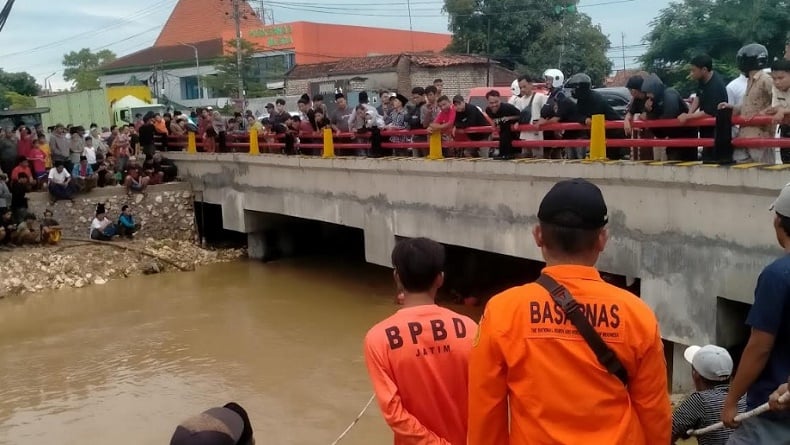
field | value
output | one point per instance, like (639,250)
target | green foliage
(534,35)
(715,27)
(22,84)
(82,67)
(225,81)
(18,101)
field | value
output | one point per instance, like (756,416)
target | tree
(82,67)
(715,27)
(226,79)
(531,34)
(18,101)
(22,84)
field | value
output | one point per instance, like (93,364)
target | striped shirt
(701,409)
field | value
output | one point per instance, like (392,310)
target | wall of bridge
(693,235)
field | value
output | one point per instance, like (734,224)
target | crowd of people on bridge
(535,102)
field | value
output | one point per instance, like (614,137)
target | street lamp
(46,82)
(197,67)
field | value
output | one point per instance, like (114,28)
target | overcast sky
(39,32)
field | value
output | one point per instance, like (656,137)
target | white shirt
(538,102)
(98,224)
(736,90)
(58,178)
(90,153)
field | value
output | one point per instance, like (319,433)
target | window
(189,88)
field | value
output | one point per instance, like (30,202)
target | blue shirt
(771,313)
(126,221)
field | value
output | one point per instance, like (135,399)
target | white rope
(740,417)
(359,416)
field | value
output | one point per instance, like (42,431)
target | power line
(155,8)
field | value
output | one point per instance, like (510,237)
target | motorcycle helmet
(579,84)
(554,77)
(752,57)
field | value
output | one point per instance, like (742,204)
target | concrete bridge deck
(694,235)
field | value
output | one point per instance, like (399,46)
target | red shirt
(19,169)
(37,159)
(24,146)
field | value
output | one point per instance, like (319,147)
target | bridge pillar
(257,245)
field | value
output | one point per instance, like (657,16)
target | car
(617,97)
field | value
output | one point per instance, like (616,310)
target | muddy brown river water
(125,362)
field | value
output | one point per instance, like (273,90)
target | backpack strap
(605,355)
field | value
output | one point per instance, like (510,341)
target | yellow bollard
(598,137)
(329,144)
(191,144)
(435,145)
(254,147)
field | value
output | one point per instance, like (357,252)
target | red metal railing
(345,142)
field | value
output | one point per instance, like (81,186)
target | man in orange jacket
(418,359)
(531,366)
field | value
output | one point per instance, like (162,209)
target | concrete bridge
(696,236)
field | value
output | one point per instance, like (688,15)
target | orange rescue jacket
(529,360)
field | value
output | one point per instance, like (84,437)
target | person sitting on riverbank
(7,227)
(60,186)
(135,182)
(711,367)
(83,176)
(126,225)
(51,231)
(227,425)
(102,229)
(5,193)
(418,358)
(26,232)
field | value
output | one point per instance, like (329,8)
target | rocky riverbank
(80,264)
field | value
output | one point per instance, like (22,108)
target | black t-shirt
(471,117)
(636,106)
(18,198)
(505,110)
(594,103)
(711,94)
(147,132)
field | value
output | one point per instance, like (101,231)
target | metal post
(197,68)
(237,19)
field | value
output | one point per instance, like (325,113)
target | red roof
(362,65)
(199,20)
(207,50)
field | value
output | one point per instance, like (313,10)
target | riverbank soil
(79,264)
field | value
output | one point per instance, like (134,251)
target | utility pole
(237,20)
(488,49)
(622,45)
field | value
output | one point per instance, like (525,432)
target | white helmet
(557,78)
(514,88)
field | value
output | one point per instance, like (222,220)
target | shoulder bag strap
(603,352)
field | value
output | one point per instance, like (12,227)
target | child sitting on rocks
(26,232)
(126,224)
(50,229)
(102,229)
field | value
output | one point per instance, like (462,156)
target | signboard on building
(273,36)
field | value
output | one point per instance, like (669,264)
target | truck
(104,107)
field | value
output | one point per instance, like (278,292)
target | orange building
(320,42)
(198,33)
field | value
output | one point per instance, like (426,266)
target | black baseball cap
(227,425)
(574,203)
